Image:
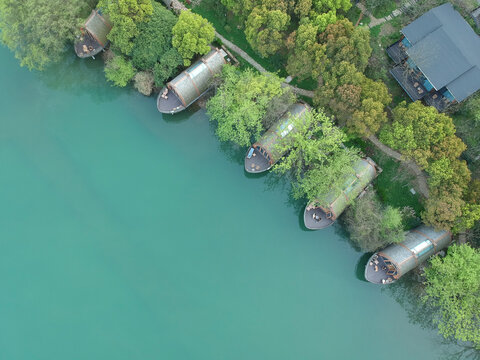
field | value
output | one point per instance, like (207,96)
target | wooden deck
(87,46)
(409,82)
(170,105)
(397,52)
(256,163)
(315,218)
(382,275)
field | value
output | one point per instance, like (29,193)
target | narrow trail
(374,21)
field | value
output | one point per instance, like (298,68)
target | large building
(438,58)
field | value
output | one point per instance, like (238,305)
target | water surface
(128,235)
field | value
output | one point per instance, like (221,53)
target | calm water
(125,235)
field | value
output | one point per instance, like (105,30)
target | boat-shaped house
(192,83)
(263,154)
(388,265)
(94,35)
(325,211)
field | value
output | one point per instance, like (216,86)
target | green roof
(98,26)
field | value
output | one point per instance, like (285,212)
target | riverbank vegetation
(345,65)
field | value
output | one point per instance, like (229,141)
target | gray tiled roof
(446,50)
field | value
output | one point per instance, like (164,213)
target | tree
(452,285)
(472,108)
(191,35)
(154,39)
(443,208)
(38,31)
(308,55)
(344,42)
(417,130)
(265,28)
(119,71)
(356,101)
(327,5)
(167,66)
(372,225)
(125,15)
(241,102)
(143,82)
(316,159)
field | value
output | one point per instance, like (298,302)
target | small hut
(262,155)
(325,211)
(192,83)
(94,35)
(388,265)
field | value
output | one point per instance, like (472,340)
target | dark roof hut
(388,265)
(262,155)
(192,83)
(325,210)
(94,35)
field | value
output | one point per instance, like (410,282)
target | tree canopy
(125,15)
(316,159)
(192,35)
(452,285)
(154,38)
(38,31)
(242,102)
(265,28)
(119,71)
(372,225)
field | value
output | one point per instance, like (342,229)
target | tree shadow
(80,77)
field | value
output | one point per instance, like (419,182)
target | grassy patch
(307,84)
(354,14)
(393,184)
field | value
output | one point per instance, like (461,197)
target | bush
(372,225)
(144,82)
(167,66)
(119,71)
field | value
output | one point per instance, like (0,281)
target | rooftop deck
(377,271)
(170,103)
(397,52)
(86,46)
(409,81)
(315,218)
(256,162)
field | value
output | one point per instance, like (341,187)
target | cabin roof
(446,49)
(195,80)
(98,26)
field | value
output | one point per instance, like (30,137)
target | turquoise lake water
(128,235)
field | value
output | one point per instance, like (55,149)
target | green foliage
(119,71)
(38,31)
(357,101)
(419,130)
(125,15)
(191,35)
(321,6)
(372,225)
(344,42)
(452,285)
(472,108)
(264,30)
(167,66)
(241,102)
(316,158)
(154,39)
